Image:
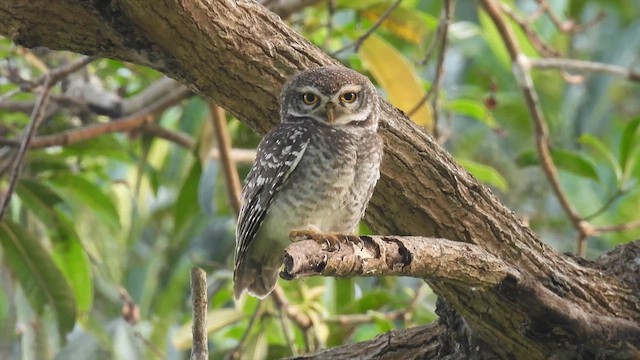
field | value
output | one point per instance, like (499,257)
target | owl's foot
(331,241)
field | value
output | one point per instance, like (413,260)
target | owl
(314,172)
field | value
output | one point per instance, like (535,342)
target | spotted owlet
(314,172)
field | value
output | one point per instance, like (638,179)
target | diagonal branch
(521,70)
(223,140)
(34,123)
(356,44)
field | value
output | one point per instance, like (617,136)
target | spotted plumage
(315,171)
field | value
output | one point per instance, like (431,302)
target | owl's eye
(348,97)
(309,98)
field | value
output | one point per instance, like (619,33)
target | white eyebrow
(306,89)
(350,87)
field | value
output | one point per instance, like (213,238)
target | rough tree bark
(547,305)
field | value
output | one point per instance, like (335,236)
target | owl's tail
(257,274)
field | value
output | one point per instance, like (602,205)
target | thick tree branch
(468,266)
(425,258)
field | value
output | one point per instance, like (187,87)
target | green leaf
(485,173)
(41,280)
(186,205)
(473,109)
(68,252)
(575,163)
(628,146)
(40,199)
(566,160)
(603,152)
(77,189)
(71,258)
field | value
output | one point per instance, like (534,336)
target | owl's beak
(329,109)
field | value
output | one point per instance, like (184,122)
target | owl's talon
(355,239)
(331,241)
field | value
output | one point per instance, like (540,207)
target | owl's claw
(331,241)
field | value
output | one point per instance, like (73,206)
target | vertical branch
(522,74)
(439,41)
(36,118)
(200,349)
(449,6)
(223,140)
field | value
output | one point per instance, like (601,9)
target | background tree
(103,225)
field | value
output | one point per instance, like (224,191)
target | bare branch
(34,123)
(235,352)
(540,45)
(200,349)
(52,77)
(176,137)
(616,228)
(445,19)
(523,77)
(583,66)
(223,138)
(568,26)
(425,258)
(356,44)
(131,122)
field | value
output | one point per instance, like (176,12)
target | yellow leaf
(398,78)
(409,24)
(216,320)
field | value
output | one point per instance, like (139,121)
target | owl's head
(334,95)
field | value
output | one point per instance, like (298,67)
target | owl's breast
(330,186)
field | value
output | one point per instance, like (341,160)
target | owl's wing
(278,155)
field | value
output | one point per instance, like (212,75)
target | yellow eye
(309,98)
(348,97)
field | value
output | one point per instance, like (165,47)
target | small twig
(300,318)
(356,44)
(288,335)
(34,123)
(224,147)
(522,74)
(127,123)
(616,228)
(618,194)
(200,348)
(568,26)
(131,314)
(359,319)
(436,38)
(331,8)
(176,137)
(541,46)
(449,6)
(52,77)
(234,353)
(583,66)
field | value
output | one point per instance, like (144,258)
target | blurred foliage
(130,213)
